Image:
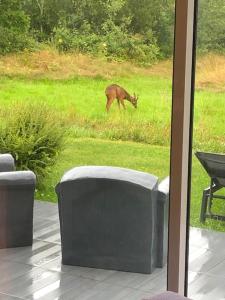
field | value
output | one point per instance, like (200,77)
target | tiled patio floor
(37,273)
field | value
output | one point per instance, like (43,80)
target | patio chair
(113,218)
(6,163)
(16,208)
(214,164)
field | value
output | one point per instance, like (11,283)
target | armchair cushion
(6,163)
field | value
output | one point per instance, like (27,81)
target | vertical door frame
(181,143)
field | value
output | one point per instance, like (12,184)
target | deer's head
(133,100)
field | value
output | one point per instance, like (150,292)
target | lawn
(82,100)
(147,158)
(137,139)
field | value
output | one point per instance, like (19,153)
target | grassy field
(137,139)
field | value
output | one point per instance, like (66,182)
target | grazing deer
(115,91)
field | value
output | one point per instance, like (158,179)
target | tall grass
(48,63)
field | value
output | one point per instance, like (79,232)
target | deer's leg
(108,104)
(122,102)
(118,101)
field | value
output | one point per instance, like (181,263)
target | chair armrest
(18,178)
(162,211)
(163,189)
(7,163)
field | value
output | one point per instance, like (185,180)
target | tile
(157,284)
(207,288)
(209,239)
(203,260)
(40,253)
(7,297)
(134,280)
(101,291)
(91,273)
(62,285)
(218,270)
(28,283)
(193,276)
(11,271)
(43,224)
(43,234)
(56,265)
(37,273)
(138,295)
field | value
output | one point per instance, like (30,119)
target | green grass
(137,139)
(142,157)
(82,100)
(87,151)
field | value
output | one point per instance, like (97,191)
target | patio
(37,273)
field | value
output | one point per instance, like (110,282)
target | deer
(115,91)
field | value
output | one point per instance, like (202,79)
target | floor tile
(207,288)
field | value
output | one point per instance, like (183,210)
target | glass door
(207,231)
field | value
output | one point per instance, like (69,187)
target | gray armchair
(113,218)
(16,205)
(7,163)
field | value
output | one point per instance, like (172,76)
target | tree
(211,25)
(14,26)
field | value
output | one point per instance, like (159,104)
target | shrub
(33,134)
(13,41)
(14,27)
(113,42)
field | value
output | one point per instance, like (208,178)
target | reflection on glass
(88,83)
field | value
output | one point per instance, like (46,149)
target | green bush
(33,134)
(113,42)
(13,41)
(14,27)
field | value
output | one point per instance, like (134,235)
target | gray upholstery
(109,219)
(162,221)
(167,296)
(6,163)
(16,208)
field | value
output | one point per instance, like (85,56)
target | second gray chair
(113,218)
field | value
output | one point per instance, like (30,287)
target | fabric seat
(113,218)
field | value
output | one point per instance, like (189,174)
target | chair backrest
(214,164)
(7,163)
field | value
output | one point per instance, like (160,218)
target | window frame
(181,143)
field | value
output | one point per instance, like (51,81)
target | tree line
(118,29)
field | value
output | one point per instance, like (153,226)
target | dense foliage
(14,26)
(118,29)
(32,135)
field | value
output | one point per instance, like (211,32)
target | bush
(34,135)
(14,27)
(13,41)
(114,43)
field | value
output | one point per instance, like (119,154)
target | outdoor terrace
(37,273)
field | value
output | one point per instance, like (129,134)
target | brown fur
(115,91)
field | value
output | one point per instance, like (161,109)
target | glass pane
(207,232)
(87,85)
